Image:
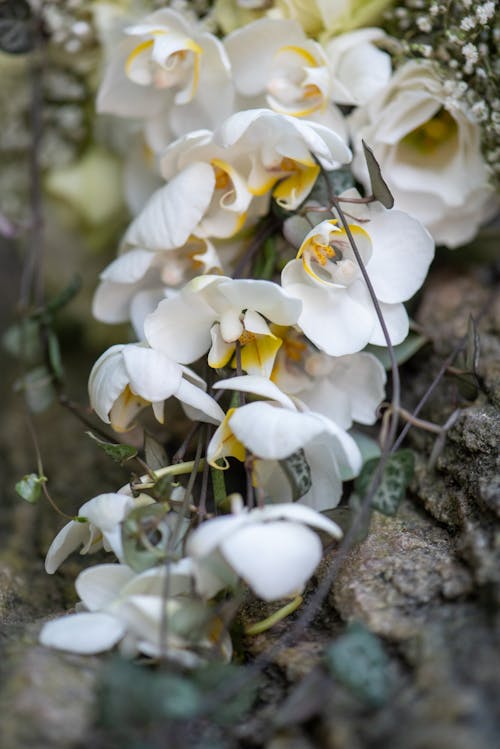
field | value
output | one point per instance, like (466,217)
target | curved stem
(278,616)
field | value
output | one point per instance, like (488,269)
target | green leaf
(395,479)
(402,352)
(339,180)
(472,349)
(55,354)
(145,536)
(218,485)
(233,708)
(38,387)
(120,453)
(154,452)
(367,446)
(131,697)
(16,27)
(65,296)
(358,660)
(380,190)
(162,489)
(298,473)
(22,340)
(266,260)
(30,487)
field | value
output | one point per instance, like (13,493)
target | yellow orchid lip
(228,444)
(190,45)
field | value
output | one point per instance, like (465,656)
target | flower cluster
(245,283)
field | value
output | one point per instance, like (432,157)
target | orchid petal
(172,213)
(275,559)
(99,585)
(85,634)
(69,538)
(153,375)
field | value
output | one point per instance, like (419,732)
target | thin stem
(278,616)
(442,371)
(32,276)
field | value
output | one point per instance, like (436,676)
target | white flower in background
(283,152)
(127,378)
(273,549)
(327,17)
(214,313)
(428,148)
(120,607)
(275,65)
(360,70)
(338,315)
(343,388)
(101,528)
(282,430)
(132,285)
(171,75)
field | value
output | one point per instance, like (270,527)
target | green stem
(278,616)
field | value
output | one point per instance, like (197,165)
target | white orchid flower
(169,74)
(127,378)
(275,429)
(214,313)
(283,152)
(338,315)
(273,549)
(120,606)
(132,285)
(275,65)
(358,68)
(99,528)
(429,150)
(205,196)
(343,388)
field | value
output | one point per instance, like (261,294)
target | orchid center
(168,60)
(125,409)
(296,83)
(433,134)
(328,257)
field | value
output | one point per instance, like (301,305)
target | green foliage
(22,340)
(266,260)
(30,487)
(38,388)
(145,536)
(16,27)
(131,698)
(330,182)
(402,352)
(395,478)
(218,486)
(358,661)
(62,299)
(119,453)
(468,362)
(298,473)
(380,190)
(154,452)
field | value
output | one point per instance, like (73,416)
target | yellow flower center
(435,132)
